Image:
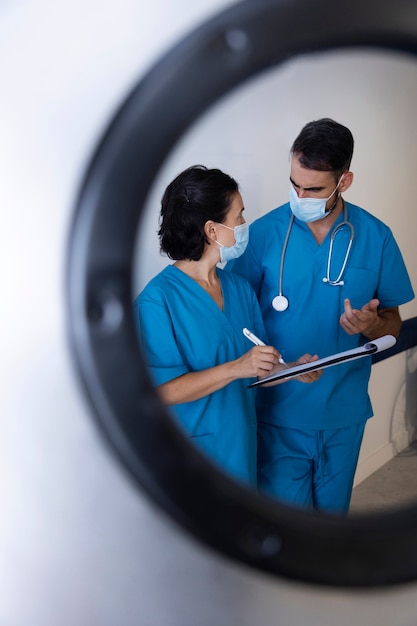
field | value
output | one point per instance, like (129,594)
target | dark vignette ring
(221,54)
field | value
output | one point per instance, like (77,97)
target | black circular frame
(237,44)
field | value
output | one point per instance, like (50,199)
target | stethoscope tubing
(280,302)
(338,281)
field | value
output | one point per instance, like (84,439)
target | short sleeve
(157,338)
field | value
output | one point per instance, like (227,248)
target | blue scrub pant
(310,468)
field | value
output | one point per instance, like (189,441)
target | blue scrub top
(375,269)
(183,330)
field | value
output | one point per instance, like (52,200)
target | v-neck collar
(198,288)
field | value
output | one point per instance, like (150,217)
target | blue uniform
(375,269)
(183,330)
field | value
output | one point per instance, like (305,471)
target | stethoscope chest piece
(280,303)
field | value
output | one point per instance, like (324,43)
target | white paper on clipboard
(369,348)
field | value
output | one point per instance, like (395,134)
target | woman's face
(234,217)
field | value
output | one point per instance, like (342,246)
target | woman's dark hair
(324,145)
(196,195)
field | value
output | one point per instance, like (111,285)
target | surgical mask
(241,232)
(310,209)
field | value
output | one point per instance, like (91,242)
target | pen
(253,338)
(258,342)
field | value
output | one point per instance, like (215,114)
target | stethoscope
(280,302)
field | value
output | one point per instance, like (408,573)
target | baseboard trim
(373,462)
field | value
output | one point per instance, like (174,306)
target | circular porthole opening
(223,53)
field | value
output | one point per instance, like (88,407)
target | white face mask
(241,232)
(310,209)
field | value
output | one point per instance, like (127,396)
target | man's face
(311,183)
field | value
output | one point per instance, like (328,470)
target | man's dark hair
(324,145)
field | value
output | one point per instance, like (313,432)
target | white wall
(249,135)
(79,543)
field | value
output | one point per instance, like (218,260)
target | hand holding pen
(258,342)
(306,358)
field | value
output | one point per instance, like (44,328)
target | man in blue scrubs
(341,285)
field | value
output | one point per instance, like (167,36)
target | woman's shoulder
(158,285)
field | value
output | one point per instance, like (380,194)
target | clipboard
(369,348)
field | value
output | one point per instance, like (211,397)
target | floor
(393,486)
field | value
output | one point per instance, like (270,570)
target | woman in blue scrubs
(191,316)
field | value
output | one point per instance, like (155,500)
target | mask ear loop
(221,245)
(337,198)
